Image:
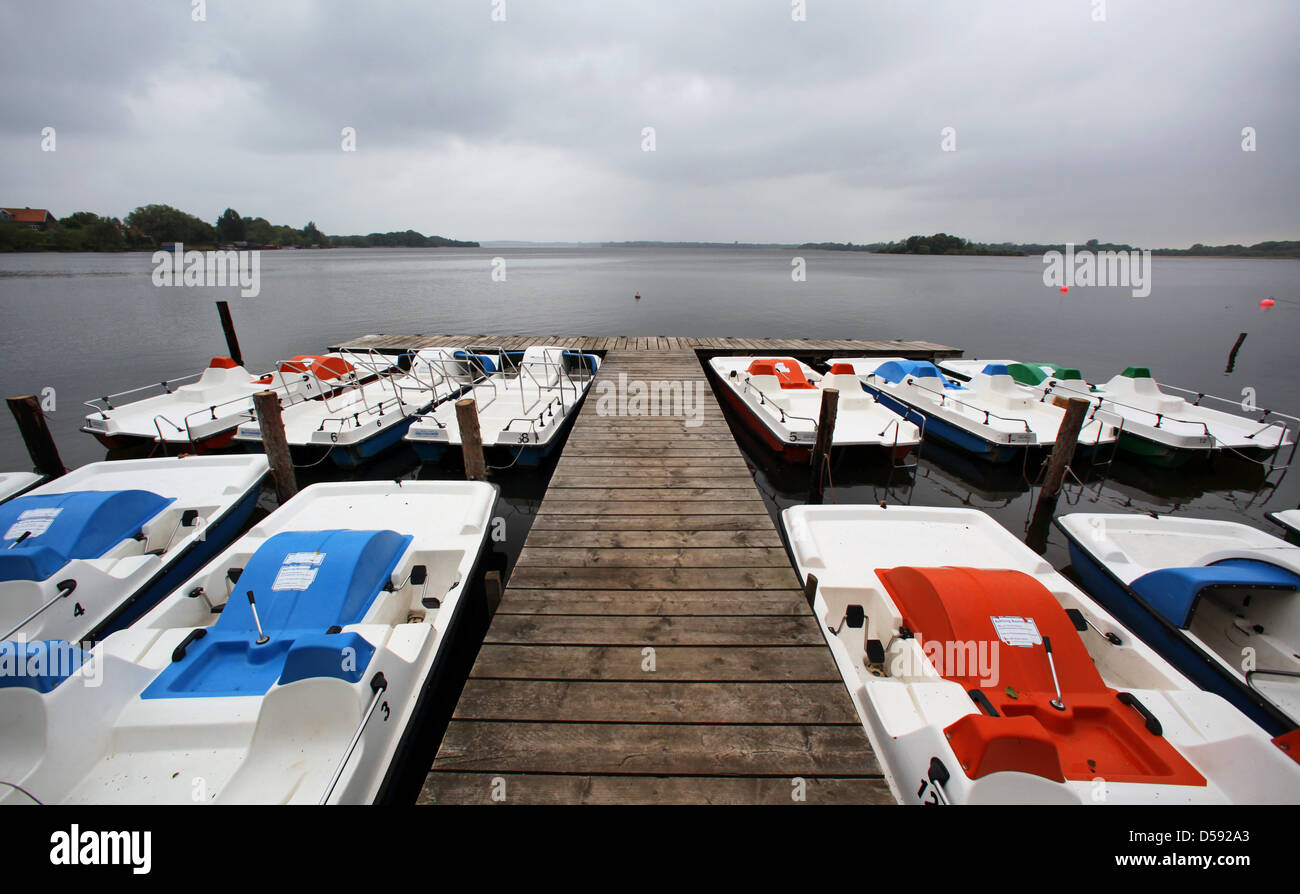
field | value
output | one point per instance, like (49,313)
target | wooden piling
(36,435)
(822,445)
(471,440)
(228,327)
(269,420)
(1063,451)
(493,590)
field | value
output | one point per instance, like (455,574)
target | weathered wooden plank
(653,603)
(562,701)
(522,788)
(615,630)
(701,663)
(743,521)
(679,557)
(530,576)
(655,540)
(729,749)
(670,495)
(648,507)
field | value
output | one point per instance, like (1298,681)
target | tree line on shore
(944,244)
(151,226)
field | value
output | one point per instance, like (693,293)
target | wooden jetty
(653,644)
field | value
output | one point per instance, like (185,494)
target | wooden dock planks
(821,348)
(653,644)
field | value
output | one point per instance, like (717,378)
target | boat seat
(896,371)
(64,527)
(787,372)
(849,386)
(956,611)
(305,582)
(1174,592)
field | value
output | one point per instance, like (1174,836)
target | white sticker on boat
(781,367)
(32,522)
(1016,631)
(297,571)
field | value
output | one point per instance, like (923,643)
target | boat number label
(1016,631)
(298,571)
(32,522)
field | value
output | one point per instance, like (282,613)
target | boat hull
(1166,639)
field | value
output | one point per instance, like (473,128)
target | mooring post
(1063,450)
(471,440)
(36,435)
(493,591)
(822,444)
(228,326)
(269,420)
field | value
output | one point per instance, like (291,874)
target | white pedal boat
(358,423)
(940,623)
(205,410)
(14,483)
(524,403)
(990,415)
(1213,597)
(1287,518)
(1157,426)
(779,399)
(357,587)
(88,551)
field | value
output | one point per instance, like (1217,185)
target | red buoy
(1267,303)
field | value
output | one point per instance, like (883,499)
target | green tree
(231,227)
(164,223)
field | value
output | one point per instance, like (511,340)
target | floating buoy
(1064,289)
(637,296)
(1267,303)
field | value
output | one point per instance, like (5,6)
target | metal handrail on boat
(987,413)
(1103,399)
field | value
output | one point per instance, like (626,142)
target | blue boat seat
(64,527)
(896,371)
(305,582)
(1173,592)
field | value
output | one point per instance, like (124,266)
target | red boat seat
(222,363)
(1096,735)
(843,369)
(324,367)
(787,371)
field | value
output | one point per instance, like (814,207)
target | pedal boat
(357,423)
(524,402)
(1156,426)
(958,643)
(202,412)
(1218,599)
(14,483)
(98,546)
(1286,518)
(991,415)
(779,400)
(303,692)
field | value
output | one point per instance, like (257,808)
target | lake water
(88,325)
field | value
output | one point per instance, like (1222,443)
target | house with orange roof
(32,218)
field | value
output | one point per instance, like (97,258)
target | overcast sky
(766,128)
